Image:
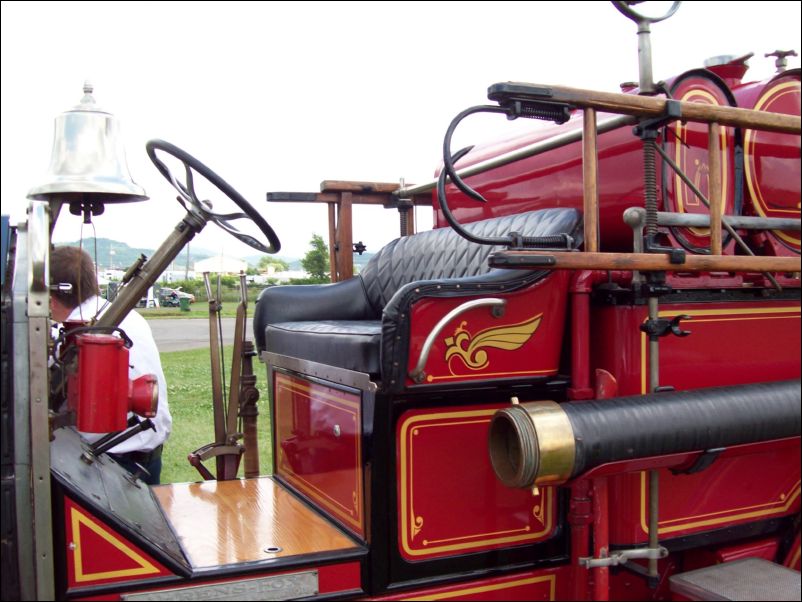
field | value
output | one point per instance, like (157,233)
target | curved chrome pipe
(417,373)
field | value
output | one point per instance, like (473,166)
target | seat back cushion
(356,324)
(443,254)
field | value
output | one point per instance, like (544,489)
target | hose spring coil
(650,186)
(558,240)
(545,111)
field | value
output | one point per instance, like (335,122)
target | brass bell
(87,166)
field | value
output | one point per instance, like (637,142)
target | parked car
(170,297)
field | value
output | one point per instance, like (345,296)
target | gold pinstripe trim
(352,517)
(749,143)
(78,518)
(771,313)
(410,525)
(480,589)
(708,520)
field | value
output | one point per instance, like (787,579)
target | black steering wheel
(190,201)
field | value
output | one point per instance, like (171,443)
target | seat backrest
(442,253)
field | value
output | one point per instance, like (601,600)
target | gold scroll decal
(471,349)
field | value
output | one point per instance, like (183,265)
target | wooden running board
(230,522)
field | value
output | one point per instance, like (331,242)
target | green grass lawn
(196,310)
(189,392)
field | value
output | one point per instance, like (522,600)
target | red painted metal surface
(687,144)
(524,342)
(551,584)
(685,460)
(450,501)
(606,385)
(332,579)
(772,161)
(703,557)
(792,559)
(580,287)
(730,344)
(339,578)
(715,498)
(601,536)
(143,395)
(102,383)
(98,555)
(628,585)
(554,179)
(580,518)
(318,448)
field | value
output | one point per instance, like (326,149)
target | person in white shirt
(72,265)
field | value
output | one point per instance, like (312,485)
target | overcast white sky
(278,96)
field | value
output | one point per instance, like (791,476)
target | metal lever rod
(236,360)
(624,556)
(214,350)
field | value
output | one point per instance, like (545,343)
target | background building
(221,264)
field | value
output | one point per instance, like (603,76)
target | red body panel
(319,446)
(730,344)
(762,548)
(552,584)
(524,342)
(332,579)
(715,498)
(450,501)
(97,555)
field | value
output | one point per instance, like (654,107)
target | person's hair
(72,265)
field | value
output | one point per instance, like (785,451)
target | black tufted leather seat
(356,324)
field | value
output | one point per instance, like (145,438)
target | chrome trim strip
(349,378)
(22,419)
(38,375)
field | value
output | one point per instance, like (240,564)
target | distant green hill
(116,255)
(295,262)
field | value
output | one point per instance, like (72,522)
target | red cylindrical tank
(772,164)
(687,144)
(554,178)
(102,383)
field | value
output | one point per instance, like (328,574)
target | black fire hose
(545,443)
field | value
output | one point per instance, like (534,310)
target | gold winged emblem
(471,349)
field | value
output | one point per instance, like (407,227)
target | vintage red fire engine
(581,384)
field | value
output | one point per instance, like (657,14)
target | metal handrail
(417,373)
(530,150)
